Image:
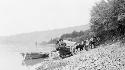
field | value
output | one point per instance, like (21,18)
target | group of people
(66,47)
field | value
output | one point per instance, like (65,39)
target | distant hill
(39,36)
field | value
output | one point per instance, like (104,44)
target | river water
(10,59)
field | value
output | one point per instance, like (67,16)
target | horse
(81,46)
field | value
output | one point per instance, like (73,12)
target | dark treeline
(74,36)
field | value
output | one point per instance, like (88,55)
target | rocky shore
(110,57)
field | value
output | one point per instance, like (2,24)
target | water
(10,59)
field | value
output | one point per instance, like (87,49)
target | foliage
(72,35)
(108,19)
(106,15)
(87,35)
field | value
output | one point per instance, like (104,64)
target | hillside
(39,36)
(110,57)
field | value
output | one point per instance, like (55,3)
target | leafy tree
(108,15)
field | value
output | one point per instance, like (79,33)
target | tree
(108,15)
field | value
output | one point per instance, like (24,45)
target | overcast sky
(21,16)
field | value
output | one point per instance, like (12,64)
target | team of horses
(65,48)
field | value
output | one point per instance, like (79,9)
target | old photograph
(62,34)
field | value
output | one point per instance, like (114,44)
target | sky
(22,16)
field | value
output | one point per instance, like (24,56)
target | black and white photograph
(62,34)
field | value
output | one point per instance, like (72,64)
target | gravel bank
(110,57)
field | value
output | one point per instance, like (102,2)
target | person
(91,43)
(95,41)
(60,43)
(87,42)
(82,42)
(86,45)
(57,43)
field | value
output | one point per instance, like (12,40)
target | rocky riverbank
(110,57)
